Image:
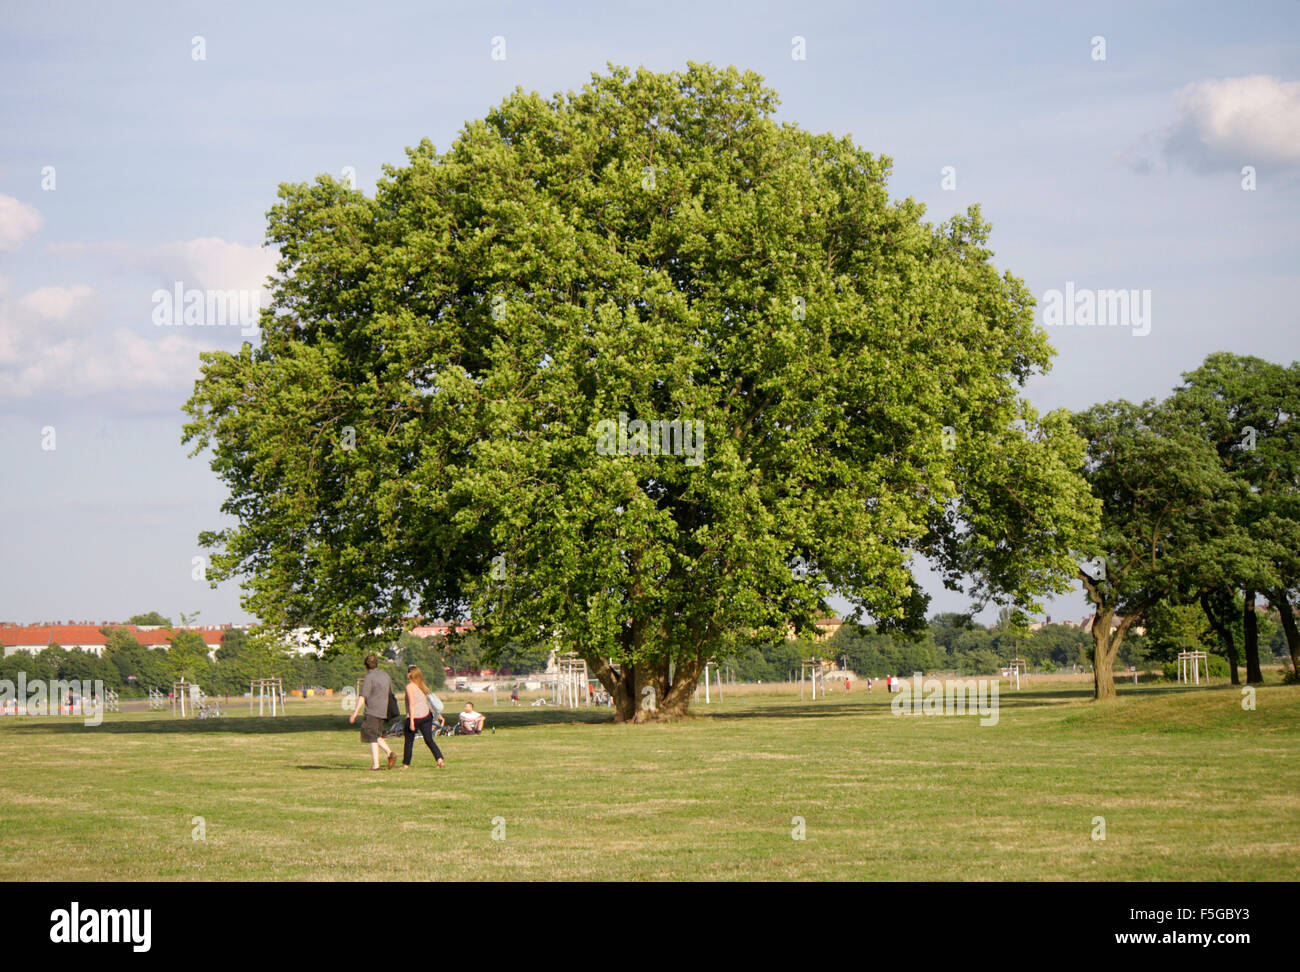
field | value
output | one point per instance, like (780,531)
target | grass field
(1191,788)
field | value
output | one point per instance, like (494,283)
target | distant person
(376,690)
(514,695)
(470,721)
(419,717)
(847,686)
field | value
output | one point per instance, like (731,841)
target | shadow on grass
(268,725)
(523,718)
(841,709)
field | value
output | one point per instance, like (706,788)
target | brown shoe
(392,758)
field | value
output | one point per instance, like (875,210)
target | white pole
(707,700)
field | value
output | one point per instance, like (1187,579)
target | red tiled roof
(44,634)
(90,634)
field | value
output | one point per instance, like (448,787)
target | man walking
(376,689)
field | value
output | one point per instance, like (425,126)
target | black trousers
(423,727)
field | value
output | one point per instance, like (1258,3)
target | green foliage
(1172,628)
(152,618)
(876,652)
(426,653)
(981,661)
(188,657)
(1217,663)
(1058,645)
(128,657)
(1248,410)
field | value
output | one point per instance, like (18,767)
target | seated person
(471,721)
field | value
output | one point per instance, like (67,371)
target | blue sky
(1117,173)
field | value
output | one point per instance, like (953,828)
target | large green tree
(433,421)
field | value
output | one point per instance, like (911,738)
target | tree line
(954,642)
(131,669)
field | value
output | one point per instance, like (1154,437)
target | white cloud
(149,372)
(55,303)
(204,263)
(18,221)
(1225,124)
(52,345)
(58,342)
(38,320)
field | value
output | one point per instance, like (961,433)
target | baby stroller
(445,728)
(398,726)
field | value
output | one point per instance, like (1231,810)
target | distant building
(826,628)
(90,637)
(440,629)
(1115,622)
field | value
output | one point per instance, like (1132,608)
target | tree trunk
(1104,650)
(643,692)
(1279,598)
(621,692)
(1250,634)
(1220,628)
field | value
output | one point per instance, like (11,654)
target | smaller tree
(1166,501)
(148,620)
(187,657)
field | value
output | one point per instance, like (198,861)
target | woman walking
(419,717)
